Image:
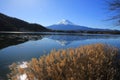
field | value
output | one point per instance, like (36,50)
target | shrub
(91,62)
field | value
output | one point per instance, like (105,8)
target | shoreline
(56,33)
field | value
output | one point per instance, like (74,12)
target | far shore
(64,32)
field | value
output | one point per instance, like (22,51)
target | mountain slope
(68,25)
(13,24)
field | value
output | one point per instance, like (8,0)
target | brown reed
(91,62)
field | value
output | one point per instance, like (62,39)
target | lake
(22,47)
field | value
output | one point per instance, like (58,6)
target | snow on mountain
(65,22)
(68,25)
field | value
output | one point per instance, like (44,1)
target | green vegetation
(13,24)
(91,62)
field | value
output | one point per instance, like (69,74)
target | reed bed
(90,62)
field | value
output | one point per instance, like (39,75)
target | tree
(114,6)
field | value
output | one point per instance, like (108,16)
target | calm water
(19,47)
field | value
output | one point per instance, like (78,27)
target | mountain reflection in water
(7,40)
(23,47)
(14,39)
(68,39)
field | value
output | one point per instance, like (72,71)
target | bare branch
(114,5)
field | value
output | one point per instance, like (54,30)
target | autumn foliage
(91,62)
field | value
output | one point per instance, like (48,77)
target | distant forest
(13,24)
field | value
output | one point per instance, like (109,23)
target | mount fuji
(67,25)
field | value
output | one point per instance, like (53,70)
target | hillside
(67,25)
(13,24)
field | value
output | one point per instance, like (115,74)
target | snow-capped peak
(65,22)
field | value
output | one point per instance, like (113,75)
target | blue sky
(91,13)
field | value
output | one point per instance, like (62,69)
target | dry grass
(91,62)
